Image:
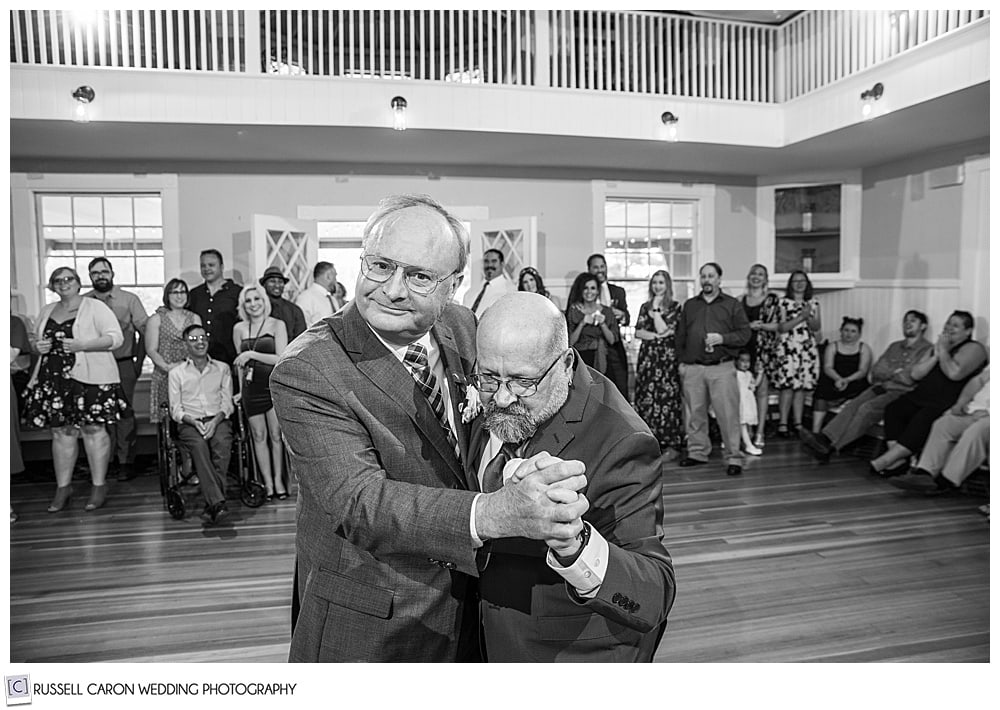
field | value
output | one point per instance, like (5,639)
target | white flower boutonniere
(471,407)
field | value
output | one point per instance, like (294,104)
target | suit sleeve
(334,444)
(622,305)
(627,509)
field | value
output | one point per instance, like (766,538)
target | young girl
(748,401)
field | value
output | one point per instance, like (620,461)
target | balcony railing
(619,52)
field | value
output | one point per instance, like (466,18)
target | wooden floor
(791,562)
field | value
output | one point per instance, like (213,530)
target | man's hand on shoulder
(540,501)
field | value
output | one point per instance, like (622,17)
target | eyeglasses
(518,386)
(380,270)
(63,280)
(197,338)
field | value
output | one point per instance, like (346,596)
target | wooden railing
(821,46)
(619,52)
(650,53)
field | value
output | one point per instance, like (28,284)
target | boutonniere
(470,408)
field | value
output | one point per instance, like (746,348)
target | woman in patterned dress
(75,387)
(657,382)
(761,307)
(164,343)
(794,368)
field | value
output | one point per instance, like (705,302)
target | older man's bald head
(523,322)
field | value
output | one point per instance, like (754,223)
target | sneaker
(752,450)
(219,511)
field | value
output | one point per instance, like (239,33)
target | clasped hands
(540,501)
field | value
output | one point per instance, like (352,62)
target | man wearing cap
(284,310)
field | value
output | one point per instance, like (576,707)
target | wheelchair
(253,494)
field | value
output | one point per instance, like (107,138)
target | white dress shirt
(200,393)
(498,287)
(587,572)
(316,303)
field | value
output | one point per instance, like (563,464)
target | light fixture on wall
(868,99)
(398,105)
(670,121)
(83,95)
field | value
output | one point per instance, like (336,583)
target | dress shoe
(63,494)
(922,481)
(818,445)
(688,461)
(126,472)
(97,497)
(734,470)
(219,511)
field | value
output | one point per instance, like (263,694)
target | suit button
(616,598)
(635,606)
(448,565)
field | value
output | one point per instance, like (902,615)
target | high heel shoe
(282,495)
(63,494)
(783,431)
(97,497)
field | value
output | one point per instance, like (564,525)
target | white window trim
(27,276)
(361,213)
(704,244)
(850,225)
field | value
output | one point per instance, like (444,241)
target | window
(127,228)
(644,235)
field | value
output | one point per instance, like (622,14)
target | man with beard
(284,310)
(495,283)
(215,302)
(890,379)
(319,299)
(388,527)
(605,594)
(710,332)
(613,297)
(132,318)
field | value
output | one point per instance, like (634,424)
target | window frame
(27,262)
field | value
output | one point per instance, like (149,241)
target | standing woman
(530,280)
(260,340)
(794,367)
(75,386)
(590,330)
(761,307)
(164,343)
(657,381)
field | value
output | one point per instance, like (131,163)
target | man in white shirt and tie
(319,300)
(495,284)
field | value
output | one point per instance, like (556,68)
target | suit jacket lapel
(390,375)
(556,434)
(455,369)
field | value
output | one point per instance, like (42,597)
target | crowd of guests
(210,346)
(712,357)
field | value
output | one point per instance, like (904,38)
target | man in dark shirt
(215,301)
(710,332)
(274,282)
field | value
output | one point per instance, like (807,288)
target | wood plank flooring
(790,562)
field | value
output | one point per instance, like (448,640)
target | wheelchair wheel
(253,494)
(175,504)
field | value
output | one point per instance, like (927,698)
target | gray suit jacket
(382,541)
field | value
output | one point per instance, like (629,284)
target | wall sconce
(670,121)
(398,105)
(869,98)
(83,95)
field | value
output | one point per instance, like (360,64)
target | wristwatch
(583,537)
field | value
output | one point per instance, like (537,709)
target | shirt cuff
(586,575)
(476,540)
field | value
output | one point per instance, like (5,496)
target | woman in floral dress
(657,382)
(75,388)
(164,343)
(794,366)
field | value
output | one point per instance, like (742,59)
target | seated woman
(590,323)
(954,360)
(846,363)
(260,340)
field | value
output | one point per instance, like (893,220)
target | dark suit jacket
(382,541)
(529,613)
(618,301)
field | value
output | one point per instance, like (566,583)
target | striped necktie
(416,362)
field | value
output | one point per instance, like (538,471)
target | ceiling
(767,17)
(64,146)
